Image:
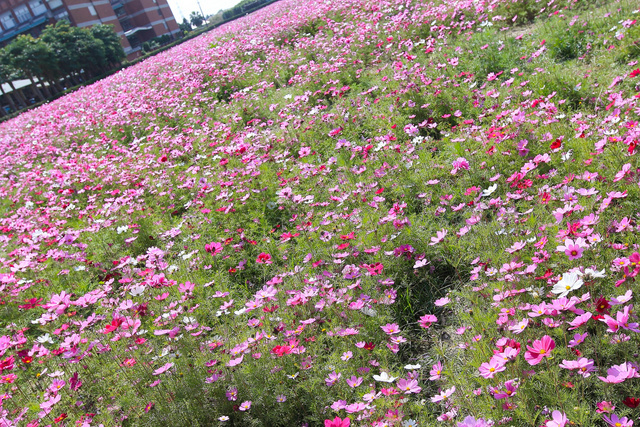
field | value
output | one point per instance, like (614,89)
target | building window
(8,21)
(37,7)
(92,10)
(62,15)
(126,24)
(22,13)
(120,11)
(54,3)
(133,41)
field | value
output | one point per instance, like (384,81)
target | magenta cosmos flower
(426,320)
(541,348)
(338,422)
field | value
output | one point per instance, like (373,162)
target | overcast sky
(183,8)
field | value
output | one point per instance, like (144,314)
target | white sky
(183,8)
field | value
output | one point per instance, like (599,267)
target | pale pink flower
(488,370)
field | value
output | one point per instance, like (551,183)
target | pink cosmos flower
(391,328)
(605,406)
(442,302)
(332,379)
(573,249)
(621,320)
(580,320)
(444,395)
(488,370)
(540,349)
(232,394)
(472,422)
(620,373)
(245,406)
(426,320)
(440,235)
(614,421)
(509,390)
(583,365)
(338,422)
(163,369)
(577,339)
(559,419)
(354,381)
(409,386)
(459,163)
(519,327)
(235,362)
(436,371)
(213,248)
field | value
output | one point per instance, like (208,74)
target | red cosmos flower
(60,418)
(281,350)
(162,159)
(632,402)
(7,364)
(264,258)
(369,346)
(632,74)
(602,305)
(270,309)
(115,323)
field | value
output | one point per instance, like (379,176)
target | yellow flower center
(543,351)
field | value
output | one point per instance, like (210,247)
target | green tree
(113,48)
(196,19)
(35,59)
(185,27)
(77,50)
(7,75)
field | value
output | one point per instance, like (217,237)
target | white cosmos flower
(384,377)
(45,338)
(569,282)
(489,191)
(590,273)
(412,367)
(136,290)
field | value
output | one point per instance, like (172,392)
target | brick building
(135,21)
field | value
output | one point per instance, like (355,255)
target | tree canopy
(62,51)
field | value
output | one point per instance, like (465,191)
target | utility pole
(201,12)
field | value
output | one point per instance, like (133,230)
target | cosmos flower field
(331,213)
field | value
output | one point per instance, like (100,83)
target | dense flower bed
(339,213)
